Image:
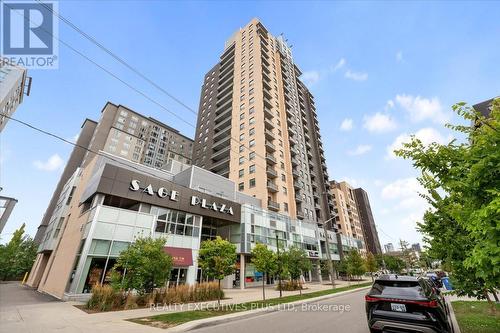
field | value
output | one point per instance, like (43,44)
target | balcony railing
(273,205)
(270,158)
(272,187)
(271,172)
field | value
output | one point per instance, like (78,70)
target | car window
(398,289)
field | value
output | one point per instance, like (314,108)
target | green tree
(355,264)
(265,261)
(371,264)
(17,256)
(462,181)
(394,263)
(407,255)
(297,262)
(145,266)
(217,259)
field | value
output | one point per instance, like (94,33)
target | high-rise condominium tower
(257,125)
(128,135)
(367,221)
(346,211)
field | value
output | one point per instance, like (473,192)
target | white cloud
(401,189)
(346,125)
(379,182)
(399,56)
(360,150)
(356,76)
(339,65)
(55,162)
(379,122)
(420,108)
(75,138)
(427,135)
(310,77)
(389,105)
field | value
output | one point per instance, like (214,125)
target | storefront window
(175,222)
(99,247)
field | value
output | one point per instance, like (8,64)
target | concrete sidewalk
(44,315)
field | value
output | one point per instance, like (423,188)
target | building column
(320,278)
(242,271)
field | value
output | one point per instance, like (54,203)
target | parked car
(406,304)
(435,279)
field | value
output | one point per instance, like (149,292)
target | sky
(379,71)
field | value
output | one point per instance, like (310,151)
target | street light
(328,254)
(279,263)
(327,243)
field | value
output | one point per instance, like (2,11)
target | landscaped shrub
(104,298)
(290,285)
(200,292)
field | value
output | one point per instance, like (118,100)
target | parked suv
(406,304)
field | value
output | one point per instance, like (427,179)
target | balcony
(270,147)
(292,140)
(272,187)
(293,151)
(273,205)
(223,117)
(270,159)
(221,154)
(300,215)
(295,173)
(298,198)
(268,124)
(267,102)
(268,113)
(297,185)
(269,134)
(221,165)
(271,172)
(222,143)
(221,132)
(295,161)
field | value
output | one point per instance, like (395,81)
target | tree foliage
(217,258)
(17,256)
(145,265)
(462,181)
(296,262)
(394,263)
(265,261)
(355,264)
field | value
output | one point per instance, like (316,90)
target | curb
(196,324)
(453,318)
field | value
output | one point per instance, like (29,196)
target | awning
(180,256)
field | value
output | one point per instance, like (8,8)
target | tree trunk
(300,286)
(493,291)
(493,308)
(218,295)
(264,286)
(371,274)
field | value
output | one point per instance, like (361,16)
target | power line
(144,94)
(58,137)
(115,56)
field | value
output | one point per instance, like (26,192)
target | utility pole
(279,264)
(328,254)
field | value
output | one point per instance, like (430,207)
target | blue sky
(379,72)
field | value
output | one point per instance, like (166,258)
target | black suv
(406,304)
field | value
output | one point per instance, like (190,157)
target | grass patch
(476,317)
(176,318)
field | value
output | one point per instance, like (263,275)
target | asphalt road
(322,316)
